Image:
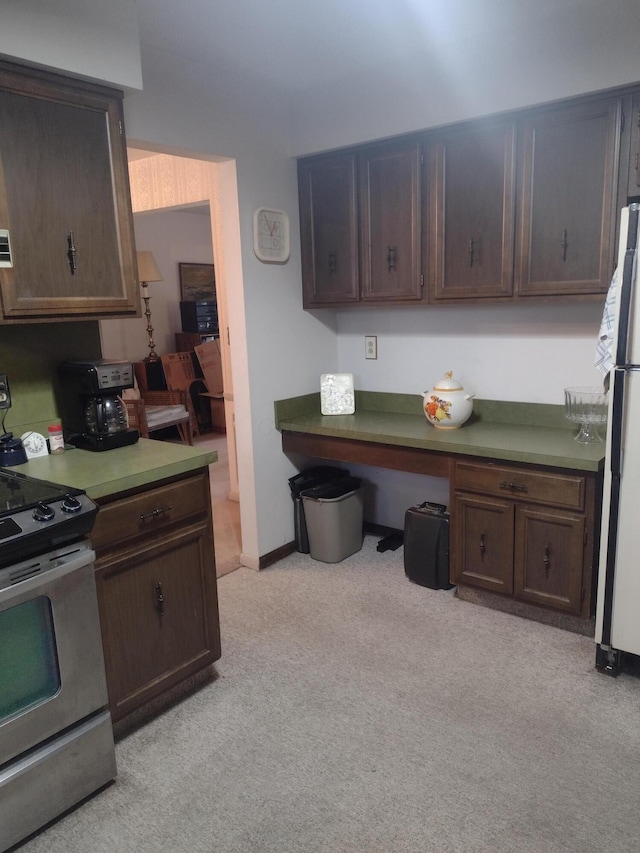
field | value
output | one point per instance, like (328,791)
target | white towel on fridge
(604,347)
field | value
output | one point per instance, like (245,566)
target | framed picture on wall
(197,282)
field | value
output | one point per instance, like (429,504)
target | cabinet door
(329,231)
(390,180)
(64,198)
(472,213)
(548,558)
(569,162)
(159,617)
(482,547)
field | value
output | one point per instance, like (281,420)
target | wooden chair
(179,373)
(162,409)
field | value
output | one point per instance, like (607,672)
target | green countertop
(535,433)
(112,471)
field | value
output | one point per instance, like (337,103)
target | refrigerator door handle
(614,500)
(626,287)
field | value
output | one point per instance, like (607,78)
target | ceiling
(298,45)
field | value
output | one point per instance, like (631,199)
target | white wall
(173,237)
(286,348)
(522,54)
(526,353)
(98,41)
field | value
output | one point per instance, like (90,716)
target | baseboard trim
(284,550)
(278,554)
(555,618)
(154,707)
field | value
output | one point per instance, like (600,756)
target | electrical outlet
(5,393)
(370,346)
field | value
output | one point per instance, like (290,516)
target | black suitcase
(426,545)
(316,476)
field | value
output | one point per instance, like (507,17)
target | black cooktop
(19,492)
(37,516)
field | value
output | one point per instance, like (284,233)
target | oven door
(51,661)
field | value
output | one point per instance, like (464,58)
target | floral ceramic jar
(446,405)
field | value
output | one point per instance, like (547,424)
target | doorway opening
(178,215)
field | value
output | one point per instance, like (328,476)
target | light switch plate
(370,346)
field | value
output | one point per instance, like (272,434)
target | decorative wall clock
(271,235)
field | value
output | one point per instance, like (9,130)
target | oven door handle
(25,577)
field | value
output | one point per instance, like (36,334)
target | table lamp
(148,271)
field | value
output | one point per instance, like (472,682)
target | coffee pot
(105,414)
(94,415)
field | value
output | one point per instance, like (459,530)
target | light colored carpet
(355,712)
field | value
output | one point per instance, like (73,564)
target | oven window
(29,671)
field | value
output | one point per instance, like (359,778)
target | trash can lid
(315,476)
(330,491)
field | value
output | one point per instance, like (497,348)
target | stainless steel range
(56,741)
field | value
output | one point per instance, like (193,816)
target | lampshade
(147,267)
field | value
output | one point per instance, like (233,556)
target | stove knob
(70,504)
(43,512)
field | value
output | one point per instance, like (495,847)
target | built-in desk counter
(524,503)
(390,428)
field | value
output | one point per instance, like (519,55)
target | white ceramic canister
(447,405)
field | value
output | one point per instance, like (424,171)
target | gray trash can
(334,516)
(319,475)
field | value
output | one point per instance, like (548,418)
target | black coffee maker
(94,416)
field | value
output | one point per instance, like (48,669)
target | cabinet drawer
(152,510)
(562,490)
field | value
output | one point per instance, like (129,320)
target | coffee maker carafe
(93,413)
(105,414)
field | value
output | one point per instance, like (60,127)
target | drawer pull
(472,252)
(159,599)
(514,487)
(156,512)
(483,547)
(71,254)
(392,252)
(547,560)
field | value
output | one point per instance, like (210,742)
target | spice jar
(56,440)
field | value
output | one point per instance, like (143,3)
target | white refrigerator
(618,597)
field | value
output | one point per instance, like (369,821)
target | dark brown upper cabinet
(472,212)
(568,199)
(329,230)
(522,206)
(390,187)
(64,200)
(360,226)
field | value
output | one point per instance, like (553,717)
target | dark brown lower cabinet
(156,581)
(483,540)
(525,532)
(548,558)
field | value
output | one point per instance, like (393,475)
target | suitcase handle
(441,508)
